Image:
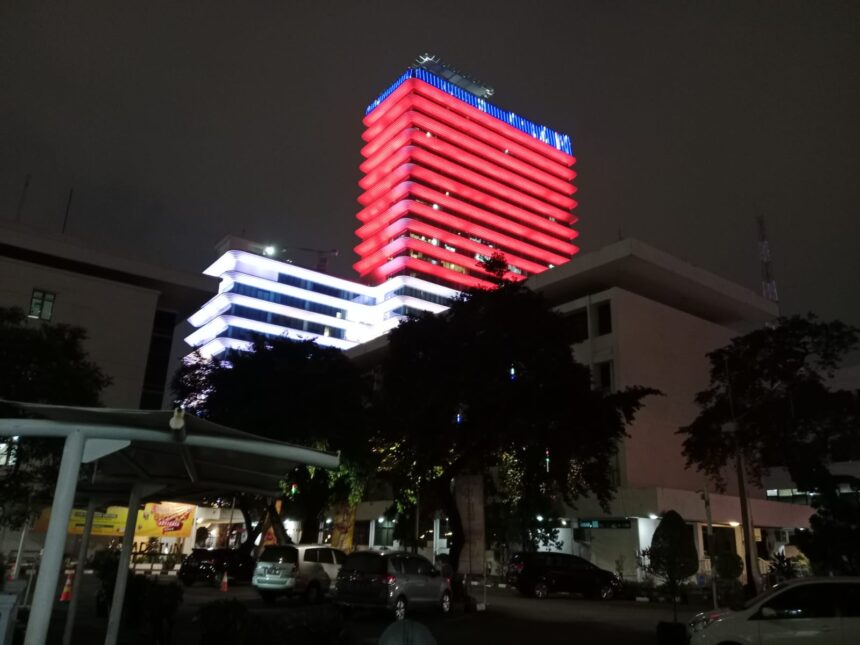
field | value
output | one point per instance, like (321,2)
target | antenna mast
(768,282)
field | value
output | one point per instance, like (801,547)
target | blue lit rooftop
(540,132)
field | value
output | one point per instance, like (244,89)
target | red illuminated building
(450,180)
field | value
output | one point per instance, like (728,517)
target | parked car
(823,611)
(540,574)
(391,581)
(208,565)
(307,569)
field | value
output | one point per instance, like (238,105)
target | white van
(306,569)
(819,611)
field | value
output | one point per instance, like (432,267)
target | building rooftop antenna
(768,282)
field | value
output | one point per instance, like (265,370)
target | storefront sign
(163,519)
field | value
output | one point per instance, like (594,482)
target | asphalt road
(509,618)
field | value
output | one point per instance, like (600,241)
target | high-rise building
(451,180)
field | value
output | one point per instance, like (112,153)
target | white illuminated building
(260,294)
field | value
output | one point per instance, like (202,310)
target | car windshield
(280,554)
(764,595)
(364,562)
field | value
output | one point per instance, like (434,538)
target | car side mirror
(433,573)
(768,612)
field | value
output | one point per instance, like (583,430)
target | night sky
(181,122)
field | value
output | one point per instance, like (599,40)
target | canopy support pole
(122,568)
(55,540)
(79,572)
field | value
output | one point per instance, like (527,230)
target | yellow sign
(164,519)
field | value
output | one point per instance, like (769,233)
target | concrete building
(129,309)
(640,316)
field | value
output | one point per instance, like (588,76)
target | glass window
(339,556)
(42,304)
(361,533)
(805,601)
(280,554)
(603,313)
(603,376)
(413,566)
(364,562)
(577,326)
(312,555)
(325,556)
(384,534)
(396,565)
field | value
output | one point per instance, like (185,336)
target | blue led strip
(540,132)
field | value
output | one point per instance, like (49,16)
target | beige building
(129,309)
(639,316)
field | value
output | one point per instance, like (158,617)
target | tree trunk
(251,533)
(455,522)
(278,525)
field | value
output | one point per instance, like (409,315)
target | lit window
(42,304)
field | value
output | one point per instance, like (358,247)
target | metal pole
(55,540)
(122,569)
(417,523)
(79,572)
(24,531)
(707,497)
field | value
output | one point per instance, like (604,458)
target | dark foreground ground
(509,618)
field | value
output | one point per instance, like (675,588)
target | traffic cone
(224,582)
(66,596)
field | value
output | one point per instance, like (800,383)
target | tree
(294,391)
(493,380)
(771,386)
(672,555)
(40,362)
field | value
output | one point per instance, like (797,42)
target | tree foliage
(293,391)
(786,414)
(40,362)
(672,555)
(493,380)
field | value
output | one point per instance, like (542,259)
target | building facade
(450,179)
(129,309)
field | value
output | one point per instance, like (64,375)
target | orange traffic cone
(66,595)
(224,582)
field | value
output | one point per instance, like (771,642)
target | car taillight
(390,580)
(518,567)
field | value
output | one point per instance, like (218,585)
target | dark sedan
(540,574)
(209,565)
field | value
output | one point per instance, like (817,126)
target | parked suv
(392,581)
(208,565)
(540,574)
(824,611)
(307,569)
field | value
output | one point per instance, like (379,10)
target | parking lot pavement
(509,618)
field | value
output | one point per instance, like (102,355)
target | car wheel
(606,592)
(268,597)
(400,608)
(445,605)
(540,591)
(312,594)
(187,580)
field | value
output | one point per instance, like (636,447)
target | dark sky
(178,123)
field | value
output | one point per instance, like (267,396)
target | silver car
(306,569)
(393,581)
